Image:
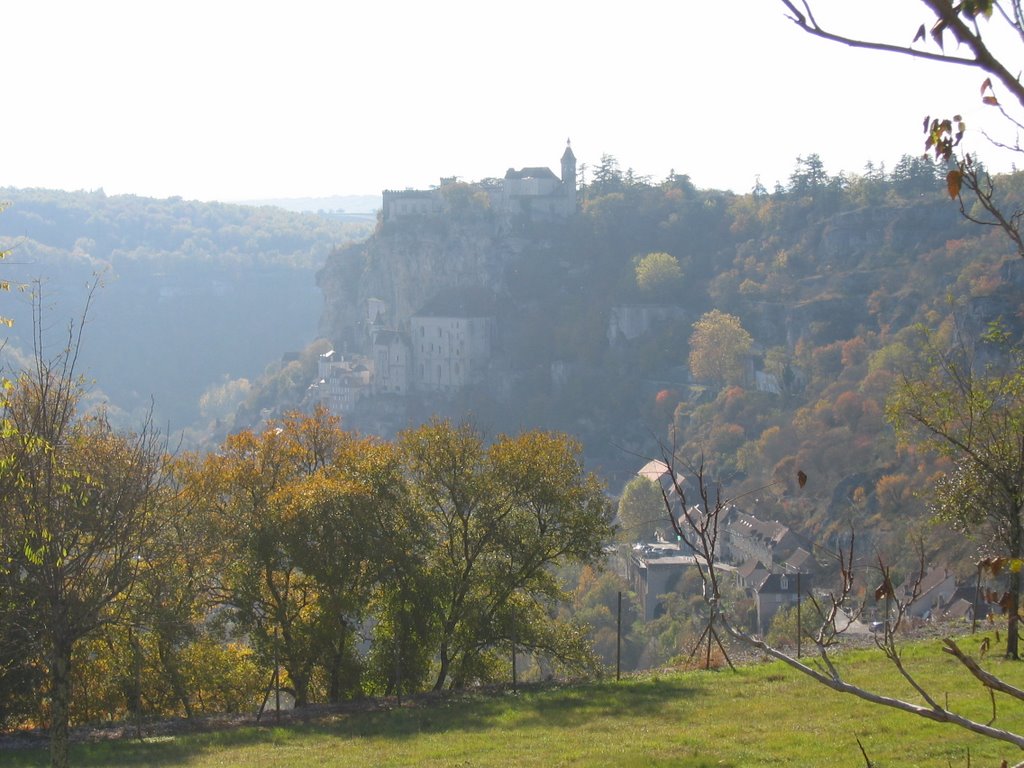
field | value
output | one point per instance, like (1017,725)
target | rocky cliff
(405,265)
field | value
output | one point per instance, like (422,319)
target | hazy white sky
(217,99)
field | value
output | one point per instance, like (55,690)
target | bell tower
(569,177)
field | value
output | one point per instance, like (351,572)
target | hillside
(192,295)
(829,275)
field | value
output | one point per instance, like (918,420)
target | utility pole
(618,640)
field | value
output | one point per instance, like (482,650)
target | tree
(809,175)
(76,512)
(309,518)
(953,405)
(498,518)
(718,346)
(640,509)
(607,175)
(659,274)
(347,531)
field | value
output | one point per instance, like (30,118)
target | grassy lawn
(763,715)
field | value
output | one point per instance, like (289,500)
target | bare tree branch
(945,14)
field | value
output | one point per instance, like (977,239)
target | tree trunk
(445,663)
(169,661)
(336,673)
(300,685)
(60,700)
(295,664)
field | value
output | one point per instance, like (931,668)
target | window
(784,582)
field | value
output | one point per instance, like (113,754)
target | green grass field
(762,715)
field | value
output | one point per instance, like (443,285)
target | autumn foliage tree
(953,404)
(640,509)
(499,517)
(308,518)
(658,275)
(77,511)
(718,346)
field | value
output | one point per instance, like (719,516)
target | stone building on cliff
(535,192)
(452,338)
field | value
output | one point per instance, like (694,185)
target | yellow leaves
(717,347)
(942,139)
(993,566)
(658,272)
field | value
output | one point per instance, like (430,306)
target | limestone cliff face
(852,255)
(405,265)
(851,236)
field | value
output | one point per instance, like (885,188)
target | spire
(568,155)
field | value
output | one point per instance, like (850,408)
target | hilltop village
(448,343)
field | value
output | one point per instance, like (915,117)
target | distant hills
(193,295)
(335,205)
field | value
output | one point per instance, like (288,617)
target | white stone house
(935,591)
(452,340)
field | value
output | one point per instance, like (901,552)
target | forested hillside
(193,296)
(828,276)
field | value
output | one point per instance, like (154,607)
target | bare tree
(697,525)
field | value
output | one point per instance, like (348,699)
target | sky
(225,100)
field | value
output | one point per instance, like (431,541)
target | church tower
(569,177)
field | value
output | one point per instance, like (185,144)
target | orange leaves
(665,396)
(943,136)
(954,180)
(988,94)
(992,566)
